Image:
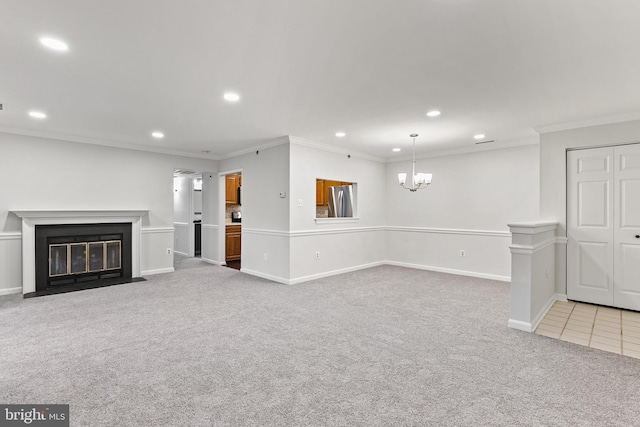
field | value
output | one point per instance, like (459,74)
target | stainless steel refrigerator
(341,201)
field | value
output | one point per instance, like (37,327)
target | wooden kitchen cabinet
(232,183)
(320,199)
(327,184)
(233,239)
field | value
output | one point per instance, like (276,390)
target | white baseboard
(543,311)
(212,261)
(561,297)
(530,327)
(450,271)
(310,277)
(266,276)
(9,291)
(158,271)
(522,326)
(334,272)
(370,265)
(180,253)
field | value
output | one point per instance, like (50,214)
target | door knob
(637,236)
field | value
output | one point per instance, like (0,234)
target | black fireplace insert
(81,256)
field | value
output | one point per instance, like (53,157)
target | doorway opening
(188,210)
(233,198)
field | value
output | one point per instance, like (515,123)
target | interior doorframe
(222,211)
(190,224)
(567,201)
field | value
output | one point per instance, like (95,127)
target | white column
(532,273)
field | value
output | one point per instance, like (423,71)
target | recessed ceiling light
(229,96)
(37,114)
(340,134)
(434,113)
(54,44)
(478,136)
(157,135)
(396,149)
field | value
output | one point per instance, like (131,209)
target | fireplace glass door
(96,255)
(86,257)
(58,265)
(113,254)
(78,258)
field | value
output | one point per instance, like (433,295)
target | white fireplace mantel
(31,218)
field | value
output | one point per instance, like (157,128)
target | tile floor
(604,328)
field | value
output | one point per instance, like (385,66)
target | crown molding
(105,143)
(295,140)
(534,140)
(619,118)
(277,141)
(280,140)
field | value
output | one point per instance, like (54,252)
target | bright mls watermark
(34,415)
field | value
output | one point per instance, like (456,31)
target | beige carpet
(210,346)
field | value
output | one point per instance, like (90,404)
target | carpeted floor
(182,262)
(210,346)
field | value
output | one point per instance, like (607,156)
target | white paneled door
(603,226)
(590,225)
(626,227)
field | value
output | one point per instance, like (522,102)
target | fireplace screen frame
(67,238)
(110,259)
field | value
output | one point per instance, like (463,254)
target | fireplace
(72,256)
(90,241)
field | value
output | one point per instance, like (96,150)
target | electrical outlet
(168,251)
(462,252)
(300,202)
(265,256)
(317,255)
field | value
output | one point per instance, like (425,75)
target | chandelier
(420,180)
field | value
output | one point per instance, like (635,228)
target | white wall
(210,226)
(265,215)
(10,263)
(182,200)
(553,172)
(343,246)
(264,176)
(467,207)
(472,198)
(47,174)
(309,162)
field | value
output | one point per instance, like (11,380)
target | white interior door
(627,227)
(590,225)
(603,226)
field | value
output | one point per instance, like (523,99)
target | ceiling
(369,68)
